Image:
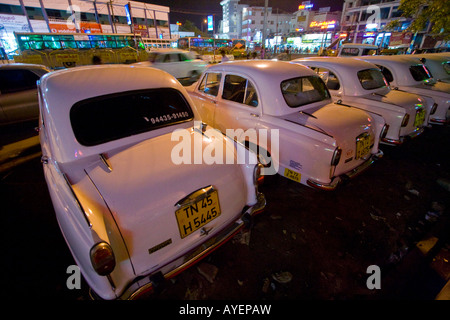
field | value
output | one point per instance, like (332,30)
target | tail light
(258,178)
(384,131)
(433,108)
(102,258)
(336,156)
(405,120)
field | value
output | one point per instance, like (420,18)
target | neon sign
(323,24)
(305,6)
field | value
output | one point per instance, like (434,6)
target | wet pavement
(306,245)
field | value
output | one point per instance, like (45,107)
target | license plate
(198,213)
(290,174)
(420,118)
(362,145)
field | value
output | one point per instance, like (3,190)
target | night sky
(207,7)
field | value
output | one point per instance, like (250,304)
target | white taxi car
(300,133)
(437,63)
(131,216)
(406,73)
(361,84)
(18,93)
(179,63)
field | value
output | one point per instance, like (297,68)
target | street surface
(306,245)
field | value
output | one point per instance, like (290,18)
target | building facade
(80,16)
(364,21)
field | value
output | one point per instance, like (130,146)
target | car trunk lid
(153,200)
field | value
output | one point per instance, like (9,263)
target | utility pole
(263,44)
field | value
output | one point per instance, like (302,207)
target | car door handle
(254,115)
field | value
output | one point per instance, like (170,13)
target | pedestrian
(224,57)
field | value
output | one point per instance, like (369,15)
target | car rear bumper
(396,142)
(149,282)
(348,175)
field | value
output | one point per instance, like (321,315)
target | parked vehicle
(406,73)
(437,63)
(357,49)
(320,142)
(179,63)
(362,85)
(18,93)
(132,216)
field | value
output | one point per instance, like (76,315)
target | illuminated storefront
(80,16)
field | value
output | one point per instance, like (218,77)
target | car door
(172,64)
(18,95)
(206,95)
(238,106)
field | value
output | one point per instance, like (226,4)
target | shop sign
(85,27)
(323,24)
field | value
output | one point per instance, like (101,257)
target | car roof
(61,89)
(277,70)
(345,68)
(267,76)
(394,59)
(23,66)
(338,63)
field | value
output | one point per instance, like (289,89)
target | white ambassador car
(130,215)
(320,143)
(406,73)
(362,85)
(179,63)
(437,63)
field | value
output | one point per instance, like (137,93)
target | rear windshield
(419,73)
(371,79)
(301,91)
(111,117)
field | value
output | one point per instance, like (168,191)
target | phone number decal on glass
(168,117)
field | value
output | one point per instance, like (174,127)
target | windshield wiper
(308,114)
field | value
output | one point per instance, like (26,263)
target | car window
(210,83)
(419,72)
(328,77)
(371,79)
(17,80)
(369,52)
(239,89)
(182,57)
(304,90)
(349,52)
(115,116)
(387,73)
(446,66)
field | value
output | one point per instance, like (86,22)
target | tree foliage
(435,12)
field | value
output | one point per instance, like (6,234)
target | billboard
(210,23)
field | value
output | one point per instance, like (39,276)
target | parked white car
(406,73)
(131,216)
(320,143)
(357,49)
(179,63)
(437,63)
(362,85)
(18,93)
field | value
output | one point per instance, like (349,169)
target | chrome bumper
(412,135)
(348,175)
(146,283)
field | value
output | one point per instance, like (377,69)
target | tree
(435,12)
(191,27)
